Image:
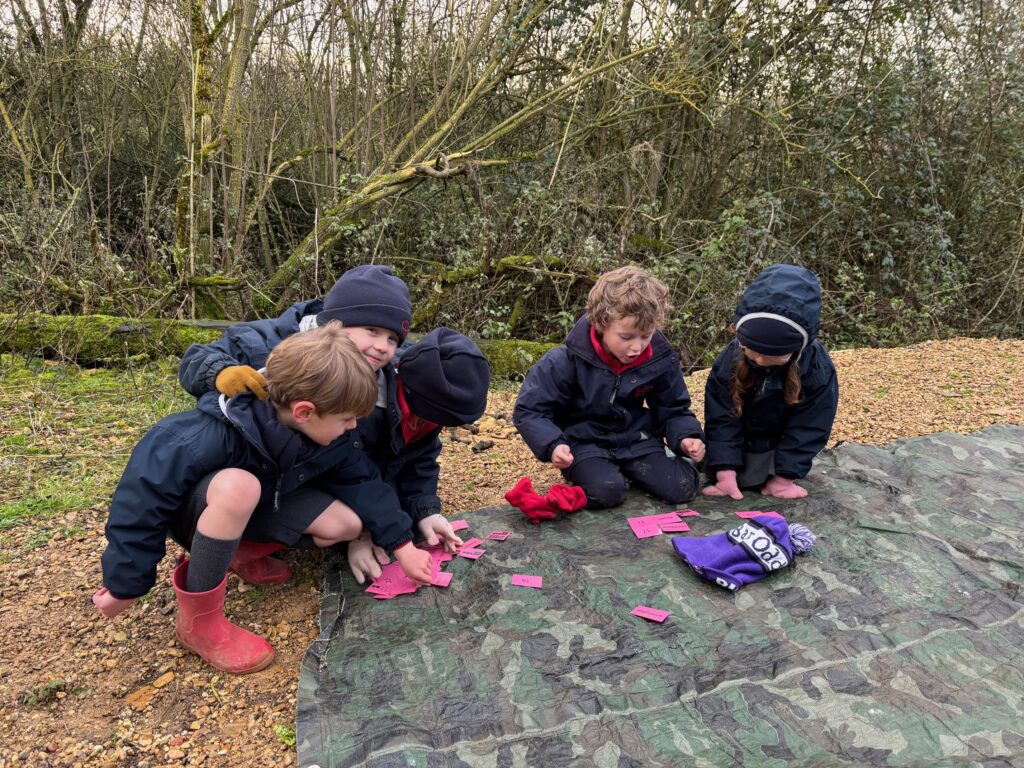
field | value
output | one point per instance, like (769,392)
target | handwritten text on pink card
(499,535)
(471,553)
(523,580)
(679,527)
(654,614)
(650,525)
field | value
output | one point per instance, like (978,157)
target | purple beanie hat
(745,554)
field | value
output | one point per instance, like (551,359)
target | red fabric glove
(566,498)
(527,500)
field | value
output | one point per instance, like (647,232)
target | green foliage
(43,693)
(879,146)
(285,734)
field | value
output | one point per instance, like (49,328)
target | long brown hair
(743,375)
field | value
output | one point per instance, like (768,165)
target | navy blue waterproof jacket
(796,432)
(181,449)
(571,396)
(412,470)
(241,344)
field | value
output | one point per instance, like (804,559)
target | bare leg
(336,523)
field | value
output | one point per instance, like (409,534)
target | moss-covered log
(99,339)
(105,340)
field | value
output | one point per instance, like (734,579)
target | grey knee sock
(209,561)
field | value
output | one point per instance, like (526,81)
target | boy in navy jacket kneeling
(602,406)
(214,475)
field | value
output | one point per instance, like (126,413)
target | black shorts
(295,513)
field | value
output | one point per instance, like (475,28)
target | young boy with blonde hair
(602,406)
(213,475)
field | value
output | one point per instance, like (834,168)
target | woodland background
(223,159)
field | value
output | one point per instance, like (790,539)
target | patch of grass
(255,595)
(881,391)
(51,498)
(285,734)
(43,693)
(66,431)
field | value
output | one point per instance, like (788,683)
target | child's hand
(416,564)
(692,447)
(561,457)
(783,488)
(365,558)
(109,605)
(437,525)
(726,485)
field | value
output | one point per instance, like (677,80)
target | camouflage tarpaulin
(898,640)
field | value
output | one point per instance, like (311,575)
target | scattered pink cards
(523,580)
(471,553)
(441,579)
(458,525)
(392,582)
(653,614)
(471,544)
(499,535)
(755,513)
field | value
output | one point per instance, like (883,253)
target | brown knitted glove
(240,378)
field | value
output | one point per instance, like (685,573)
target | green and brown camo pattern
(898,640)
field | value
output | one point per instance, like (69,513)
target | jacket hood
(786,292)
(257,422)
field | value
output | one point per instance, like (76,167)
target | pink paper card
(653,614)
(458,525)
(393,581)
(438,554)
(523,580)
(471,544)
(643,527)
(755,513)
(650,525)
(441,579)
(499,535)
(471,553)
(665,517)
(687,513)
(678,527)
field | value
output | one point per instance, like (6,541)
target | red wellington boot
(202,628)
(252,564)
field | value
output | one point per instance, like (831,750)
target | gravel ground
(78,690)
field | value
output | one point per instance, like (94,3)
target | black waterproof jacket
(571,396)
(796,432)
(181,449)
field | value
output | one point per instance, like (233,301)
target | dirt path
(78,690)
